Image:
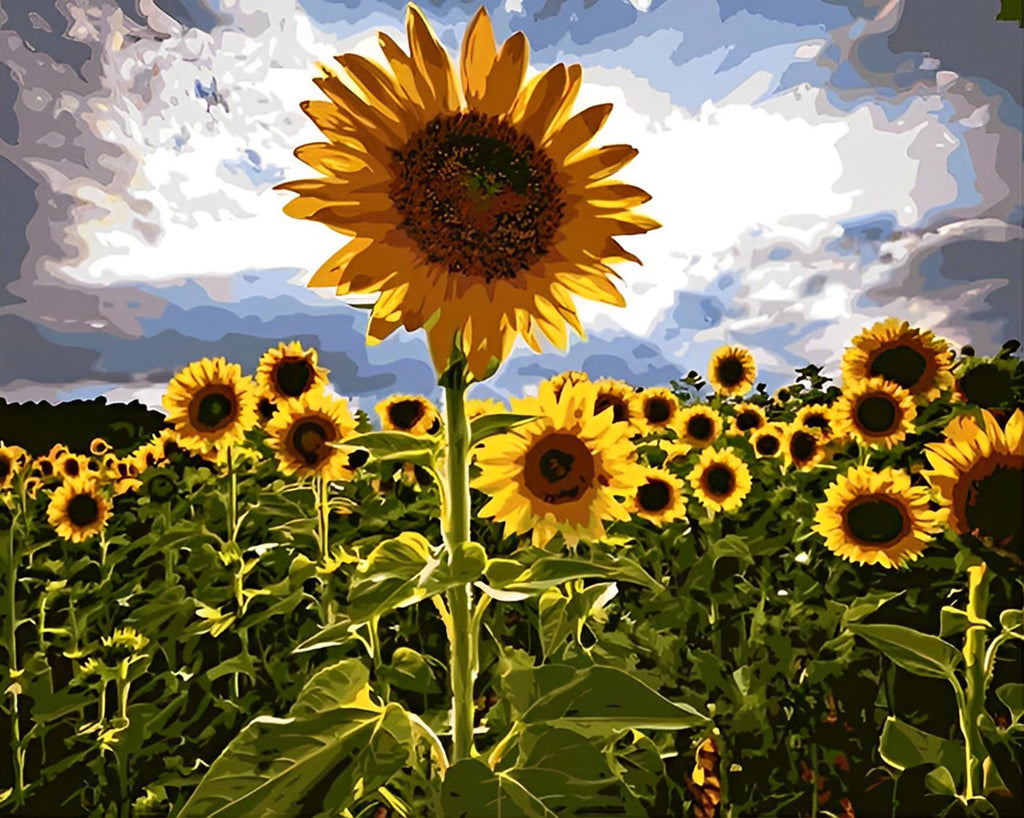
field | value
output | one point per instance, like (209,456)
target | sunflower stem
(978,579)
(463,635)
(17,754)
(323,523)
(233,497)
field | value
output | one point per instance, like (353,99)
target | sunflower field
(694,599)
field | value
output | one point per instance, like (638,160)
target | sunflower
(877,518)
(477,207)
(720,479)
(120,472)
(988,384)
(409,413)
(149,455)
(891,349)
(560,472)
(623,400)
(803,447)
(659,409)
(301,433)
(569,376)
(478,407)
(732,370)
(211,406)
(75,465)
(876,412)
(675,451)
(78,510)
(660,498)
(43,467)
(746,418)
(100,447)
(12,461)
(288,371)
(976,473)
(816,416)
(699,425)
(768,440)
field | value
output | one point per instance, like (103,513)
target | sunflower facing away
(892,349)
(660,498)
(746,418)
(699,425)
(720,480)
(876,412)
(732,370)
(78,510)
(877,518)
(289,371)
(301,431)
(474,201)
(561,472)
(12,460)
(211,405)
(409,413)
(977,473)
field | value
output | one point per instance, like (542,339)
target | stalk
(17,754)
(233,502)
(462,636)
(978,580)
(323,522)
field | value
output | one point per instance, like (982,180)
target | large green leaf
(865,605)
(1012,695)
(917,652)
(904,746)
(472,790)
(550,571)
(337,685)
(409,671)
(418,449)
(487,425)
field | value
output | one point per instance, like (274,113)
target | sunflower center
(901,364)
(477,196)
(559,469)
(747,419)
(987,385)
(213,408)
(802,446)
(658,410)
(994,507)
(876,521)
(876,414)
(730,372)
(816,421)
(5,467)
(719,480)
(71,467)
(405,414)
(309,438)
(620,411)
(83,510)
(293,376)
(266,408)
(767,445)
(654,495)
(699,427)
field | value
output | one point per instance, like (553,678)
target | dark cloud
(16,211)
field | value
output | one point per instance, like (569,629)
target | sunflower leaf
(1012,695)
(418,449)
(903,746)
(471,789)
(487,425)
(920,653)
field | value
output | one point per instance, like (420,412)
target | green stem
(725,807)
(17,754)
(462,636)
(974,659)
(233,500)
(323,535)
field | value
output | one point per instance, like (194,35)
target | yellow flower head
(659,409)
(475,204)
(12,460)
(478,407)
(301,433)
(877,518)
(768,441)
(746,419)
(623,400)
(803,447)
(77,509)
(913,360)
(816,416)
(732,370)
(660,498)
(569,376)
(720,479)
(876,412)
(409,413)
(699,425)
(289,371)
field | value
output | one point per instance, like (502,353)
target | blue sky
(817,164)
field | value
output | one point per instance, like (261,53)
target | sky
(818,165)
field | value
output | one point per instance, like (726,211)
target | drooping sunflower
(720,479)
(660,498)
(303,428)
(475,206)
(211,405)
(623,400)
(913,359)
(78,510)
(12,460)
(659,408)
(732,370)
(409,413)
(569,376)
(99,447)
(816,416)
(875,411)
(768,440)
(561,472)
(803,447)
(977,474)
(877,518)
(289,371)
(699,425)
(746,418)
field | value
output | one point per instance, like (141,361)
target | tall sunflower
(77,509)
(660,498)
(414,414)
(875,411)
(720,480)
(699,425)
(803,447)
(303,429)
(977,473)
(289,371)
(746,418)
(475,204)
(891,349)
(816,416)
(732,370)
(877,518)
(211,405)
(561,472)
(768,440)
(659,408)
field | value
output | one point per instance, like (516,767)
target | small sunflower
(699,425)
(746,418)
(120,472)
(100,447)
(768,440)
(732,370)
(891,349)
(977,474)
(78,510)
(75,465)
(659,408)
(660,498)
(559,473)
(301,433)
(409,413)
(876,412)
(675,451)
(623,400)
(816,416)
(720,479)
(289,371)
(211,405)
(877,518)
(12,460)
(569,376)
(478,407)
(149,455)
(803,447)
